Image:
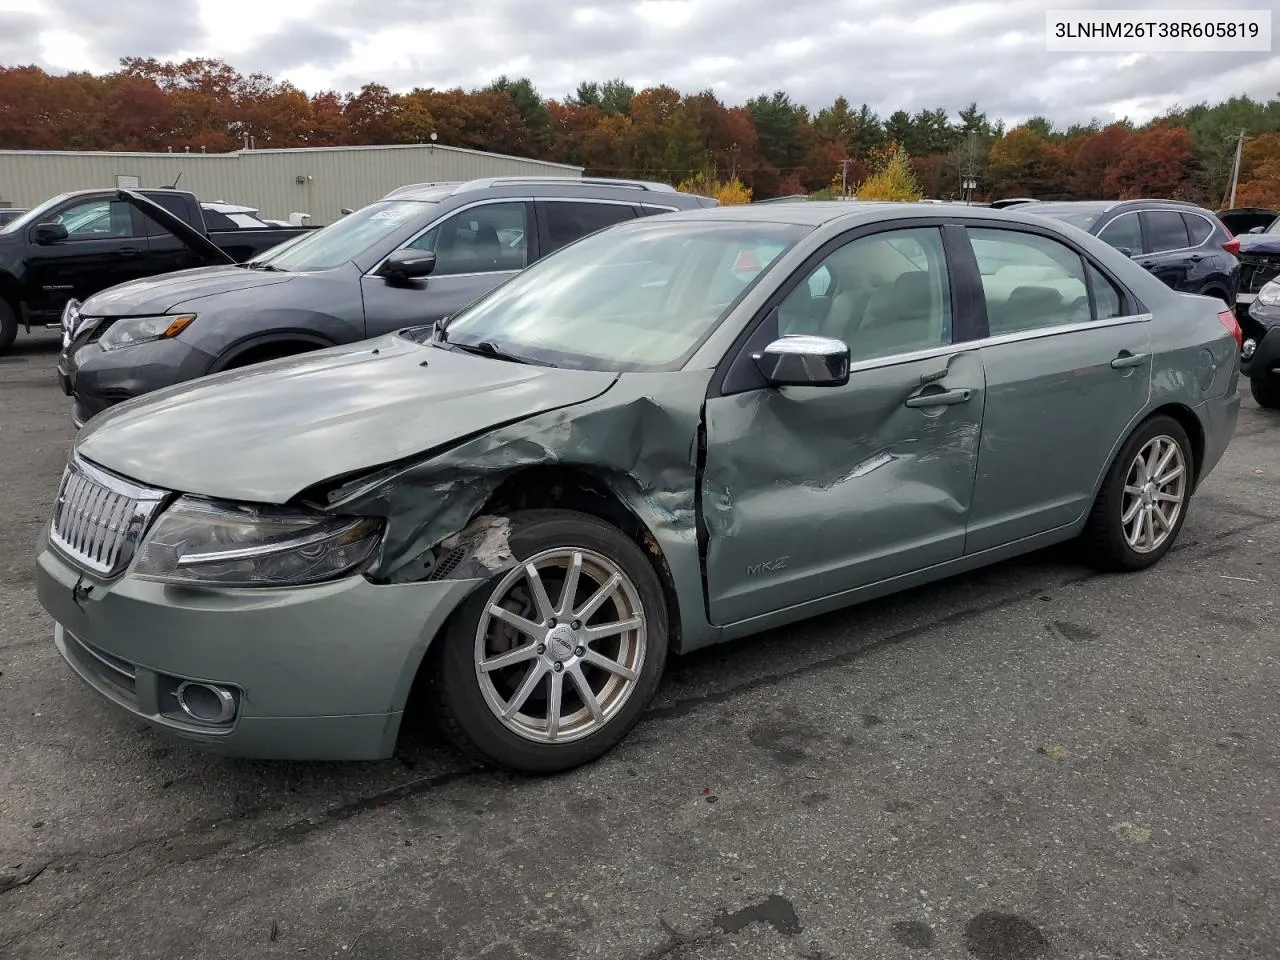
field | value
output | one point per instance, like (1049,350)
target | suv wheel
(549,665)
(8,326)
(1266,391)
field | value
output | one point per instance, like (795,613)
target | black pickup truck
(80,243)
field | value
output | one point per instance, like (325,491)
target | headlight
(195,541)
(125,333)
(1269,295)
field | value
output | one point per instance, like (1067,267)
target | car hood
(1260,243)
(267,432)
(167,292)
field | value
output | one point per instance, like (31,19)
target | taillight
(1232,247)
(1228,320)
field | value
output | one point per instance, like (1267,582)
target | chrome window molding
(99,519)
(1152,253)
(892,360)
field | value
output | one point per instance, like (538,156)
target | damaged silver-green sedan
(673,433)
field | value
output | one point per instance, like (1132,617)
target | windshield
(1084,221)
(34,215)
(638,298)
(344,239)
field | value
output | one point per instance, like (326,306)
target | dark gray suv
(421,253)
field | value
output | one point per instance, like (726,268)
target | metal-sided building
(319,181)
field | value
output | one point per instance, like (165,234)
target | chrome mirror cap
(804,361)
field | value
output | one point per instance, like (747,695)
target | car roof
(639,191)
(817,213)
(1106,206)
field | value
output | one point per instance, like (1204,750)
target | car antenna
(174,185)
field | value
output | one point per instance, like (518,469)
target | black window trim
(737,373)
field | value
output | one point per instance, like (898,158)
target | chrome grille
(99,519)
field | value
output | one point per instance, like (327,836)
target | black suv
(419,254)
(1185,246)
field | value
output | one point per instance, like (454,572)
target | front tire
(1266,391)
(549,665)
(8,326)
(1143,501)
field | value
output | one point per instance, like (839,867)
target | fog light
(1247,349)
(205,702)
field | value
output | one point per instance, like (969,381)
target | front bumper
(1260,357)
(96,379)
(319,673)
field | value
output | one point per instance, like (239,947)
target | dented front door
(808,492)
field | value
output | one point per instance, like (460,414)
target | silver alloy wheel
(558,672)
(1154,491)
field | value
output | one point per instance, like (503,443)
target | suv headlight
(200,542)
(126,333)
(1269,295)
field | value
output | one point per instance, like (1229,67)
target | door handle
(129,251)
(947,398)
(1127,359)
(1148,264)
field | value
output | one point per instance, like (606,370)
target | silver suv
(420,253)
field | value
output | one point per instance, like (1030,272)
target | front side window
(97,220)
(1124,233)
(567,221)
(1029,281)
(347,239)
(641,297)
(881,295)
(490,238)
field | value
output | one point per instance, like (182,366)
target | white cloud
(929,54)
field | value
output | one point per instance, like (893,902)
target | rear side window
(1124,233)
(175,205)
(1166,230)
(1198,228)
(1106,296)
(567,221)
(1030,281)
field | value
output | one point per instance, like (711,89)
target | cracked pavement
(1029,761)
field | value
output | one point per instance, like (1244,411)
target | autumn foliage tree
(893,178)
(771,144)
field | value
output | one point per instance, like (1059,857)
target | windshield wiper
(485,348)
(260,265)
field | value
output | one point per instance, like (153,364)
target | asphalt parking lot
(1032,761)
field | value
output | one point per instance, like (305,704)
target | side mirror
(409,264)
(804,361)
(1257,229)
(46,233)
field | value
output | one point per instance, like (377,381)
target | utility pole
(844,178)
(1235,170)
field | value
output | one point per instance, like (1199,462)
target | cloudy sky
(889,53)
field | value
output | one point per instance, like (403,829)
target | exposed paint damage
(641,449)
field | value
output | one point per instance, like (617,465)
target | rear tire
(1155,465)
(8,326)
(1266,392)
(552,645)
